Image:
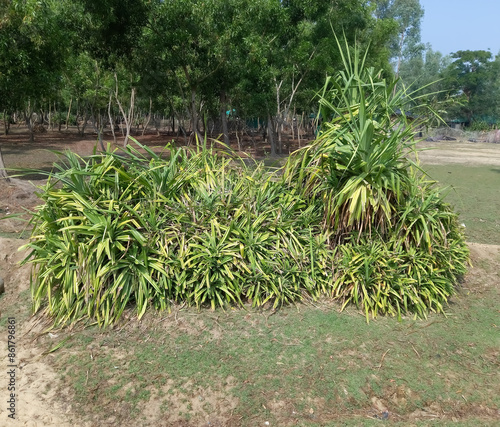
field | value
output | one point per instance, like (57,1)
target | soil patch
(459,152)
(37,384)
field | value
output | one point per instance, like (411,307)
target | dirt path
(36,382)
(459,152)
(38,403)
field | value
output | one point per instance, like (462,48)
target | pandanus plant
(357,166)
(398,247)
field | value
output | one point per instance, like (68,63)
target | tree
(111,29)
(32,56)
(195,59)
(473,76)
(307,51)
(408,15)
(425,70)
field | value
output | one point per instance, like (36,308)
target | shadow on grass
(25,234)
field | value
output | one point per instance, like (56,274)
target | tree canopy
(200,59)
(191,58)
(474,77)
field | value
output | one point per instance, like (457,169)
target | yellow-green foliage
(131,229)
(349,219)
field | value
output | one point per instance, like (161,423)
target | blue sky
(452,25)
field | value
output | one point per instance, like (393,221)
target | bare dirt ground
(40,401)
(459,152)
(38,404)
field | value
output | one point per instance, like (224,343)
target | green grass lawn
(301,366)
(475,193)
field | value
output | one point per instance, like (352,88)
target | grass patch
(300,365)
(19,310)
(22,235)
(475,194)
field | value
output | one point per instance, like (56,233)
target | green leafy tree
(194,59)
(242,49)
(473,77)
(31,58)
(34,48)
(90,87)
(307,50)
(194,43)
(424,69)
(111,29)
(408,16)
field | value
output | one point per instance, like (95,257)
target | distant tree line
(91,63)
(200,63)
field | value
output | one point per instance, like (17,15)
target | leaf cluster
(376,202)
(135,229)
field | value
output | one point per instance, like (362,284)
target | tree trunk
(27,118)
(98,124)
(223,117)
(128,118)
(69,113)
(278,116)
(85,118)
(299,128)
(193,110)
(194,118)
(59,123)
(111,121)
(6,123)
(238,138)
(55,115)
(157,124)
(149,116)
(49,118)
(270,132)
(3,172)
